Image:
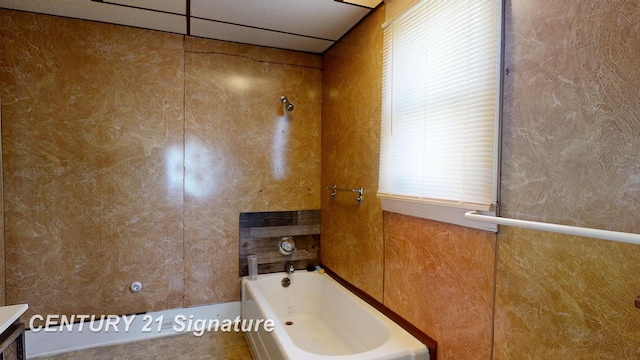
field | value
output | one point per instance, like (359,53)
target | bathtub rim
(427,340)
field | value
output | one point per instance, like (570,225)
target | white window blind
(440,109)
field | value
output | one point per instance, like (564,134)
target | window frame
(451,213)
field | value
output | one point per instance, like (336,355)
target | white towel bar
(630,238)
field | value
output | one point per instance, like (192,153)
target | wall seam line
(184,168)
(250,58)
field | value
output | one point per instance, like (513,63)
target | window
(440,110)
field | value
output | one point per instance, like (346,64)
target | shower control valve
(286,245)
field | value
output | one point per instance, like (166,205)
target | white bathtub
(317,318)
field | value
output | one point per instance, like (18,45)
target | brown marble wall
(243,152)
(90,113)
(440,278)
(352,85)
(570,155)
(99,122)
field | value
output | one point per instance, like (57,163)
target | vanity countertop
(9,314)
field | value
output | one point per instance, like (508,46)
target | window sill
(451,215)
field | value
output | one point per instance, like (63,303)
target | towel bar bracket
(334,191)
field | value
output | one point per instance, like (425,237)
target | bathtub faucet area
(289,268)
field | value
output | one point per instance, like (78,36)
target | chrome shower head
(287,105)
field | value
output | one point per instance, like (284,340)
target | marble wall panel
(571,155)
(91,116)
(352,84)
(95,143)
(570,143)
(440,277)
(566,297)
(243,153)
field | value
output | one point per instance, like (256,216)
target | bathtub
(317,318)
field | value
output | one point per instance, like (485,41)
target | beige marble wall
(352,85)
(571,126)
(243,152)
(565,297)
(99,122)
(570,155)
(90,114)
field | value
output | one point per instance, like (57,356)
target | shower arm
(287,104)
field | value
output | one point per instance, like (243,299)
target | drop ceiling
(302,25)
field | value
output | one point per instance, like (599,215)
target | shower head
(287,105)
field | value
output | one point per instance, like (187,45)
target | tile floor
(212,345)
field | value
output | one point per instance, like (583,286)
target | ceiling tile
(97,11)
(324,19)
(247,35)
(302,25)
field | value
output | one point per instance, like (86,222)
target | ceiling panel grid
(302,25)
